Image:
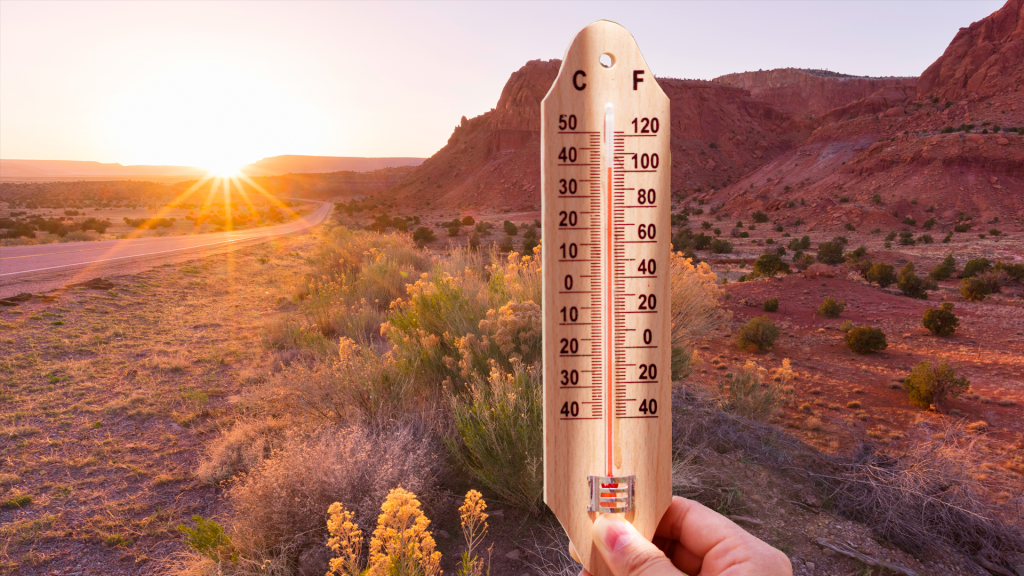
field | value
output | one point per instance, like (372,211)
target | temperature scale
(605,172)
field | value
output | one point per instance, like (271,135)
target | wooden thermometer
(605,168)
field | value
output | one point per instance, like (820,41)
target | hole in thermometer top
(606,197)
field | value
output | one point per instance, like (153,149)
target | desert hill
(57,169)
(810,92)
(292,164)
(51,170)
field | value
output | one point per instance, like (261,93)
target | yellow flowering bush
(346,540)
(474,528)
(401,544)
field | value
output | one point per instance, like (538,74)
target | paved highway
(45,267)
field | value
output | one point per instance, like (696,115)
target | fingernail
(615,535)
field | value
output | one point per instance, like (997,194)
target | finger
(627,552)
(697,527)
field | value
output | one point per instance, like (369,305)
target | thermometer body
(606,199)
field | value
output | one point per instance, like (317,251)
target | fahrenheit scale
(605,172)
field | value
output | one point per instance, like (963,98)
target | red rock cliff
(810,92)
(985,58)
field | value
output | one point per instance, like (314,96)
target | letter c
(574,76)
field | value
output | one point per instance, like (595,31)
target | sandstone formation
(810,92)
(983,59)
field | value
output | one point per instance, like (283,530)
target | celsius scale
(606,197)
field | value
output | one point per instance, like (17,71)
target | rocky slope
(810,92)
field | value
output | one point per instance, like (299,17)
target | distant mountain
(61,169)
(291,164)
(42,170)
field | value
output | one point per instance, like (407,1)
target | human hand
(691,538)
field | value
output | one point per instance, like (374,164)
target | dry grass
(280,508)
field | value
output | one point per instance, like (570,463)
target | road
(42,268)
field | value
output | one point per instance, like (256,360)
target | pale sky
(227,83)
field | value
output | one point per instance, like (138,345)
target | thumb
(627,552)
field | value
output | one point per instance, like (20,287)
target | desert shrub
(499,434)
(468,221)
(720,246)
(907,238)
(436,330)
(453,230)
(911,284)
(931,384)
(973,289)
(759,217)
(771,304)
(759,332)
(890,236)
(346,541)
(846,326)
(962,227)
(207,538)
(941,321)
(706,225)
(849,226)
(510,228)
(281,507)
(804,262)
(744,234)
(696,302)
(830,253)
(831,308)
(423,235)
(529,245)
(994,279)
(882,274)
(506,245)
(975,267)
(484,228)
(803,243)
(474,240)
(1015,271)
(241,448)
(866,339)
(768,265)
(945,269)
(928,224)
(357,385)
(746,395)
(910,221)
(401,544)
(876,198)
(926,239)
(702,241)
(861,266)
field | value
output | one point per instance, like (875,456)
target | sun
(225,169)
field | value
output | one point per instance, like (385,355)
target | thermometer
(605,173)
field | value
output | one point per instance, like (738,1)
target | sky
(220,84)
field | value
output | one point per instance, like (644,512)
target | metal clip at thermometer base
(606,197)
(611,494)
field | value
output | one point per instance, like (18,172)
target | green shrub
(890,236)
(883,275)
(974,290)
(759,217)
(975,267)
(506,245)
(701,241)
(484,228)
(931,385)
(207,538)
(831,308)
(962,227)
(768,265)
(16,502)
(468,221)
(453,230)
(945,269)
(744,394)
(912,286)
(928,223)
(771,304)
(474,240)
(849,226)
(706,225)
(830,253)
(744,234)
(500,430)
(876,198)
(511,229)
(926,239)
(940,321)
(910,221)
(759,332)
(423,235)
(846,326)
(866,339)
(907,238)
(720,246)
(1015,271)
